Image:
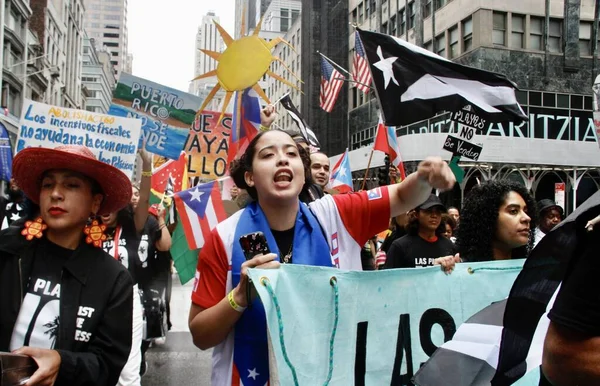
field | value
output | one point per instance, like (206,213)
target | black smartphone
(254,244)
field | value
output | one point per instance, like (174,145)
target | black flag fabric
(503,342)
(414,84)
(306,132)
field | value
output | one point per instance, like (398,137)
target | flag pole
(279,100)
(334,63)
(367,172)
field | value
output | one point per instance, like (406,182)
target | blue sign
(5,155)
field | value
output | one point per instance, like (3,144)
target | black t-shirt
(147,250)
(38,320)
(126,250)
(577,305)
(395,235)
(285,243)
(413,251)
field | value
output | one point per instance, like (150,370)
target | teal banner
(328,326)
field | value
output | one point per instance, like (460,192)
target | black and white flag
(503,343)
(306,132)
(414,84)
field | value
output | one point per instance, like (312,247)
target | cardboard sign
(463,148)
(389,322)
(207,146)
(114,140)
(166,114)
(467,117)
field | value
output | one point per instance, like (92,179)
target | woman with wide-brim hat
(64,301)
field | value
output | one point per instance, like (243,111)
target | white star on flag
(385,66)
(342,172)
(14,217)
(253,374)
(196,194)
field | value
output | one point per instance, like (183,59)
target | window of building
(549,99)
(354,98)
(428,8)
(555,35)
(112,17)
(354,14)
(499,32)
(517,35)
(536,33)
(429,45)
(562,100)
(111,44)
(393,26)
(373,5)
(453,35)
(437,4)
(411,15)
(107,35)
(440,45)
(402,20)
(467,28)
(384,28)
(585,38)
(360,13)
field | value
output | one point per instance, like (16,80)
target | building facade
(98,77)
(324,28)
(207,38)
(106,23)
(549,49)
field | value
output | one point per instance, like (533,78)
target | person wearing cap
(422,246)
(65,302)
(550,215)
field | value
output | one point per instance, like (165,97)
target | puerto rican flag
(200,210)
(246,123)
(387,142)
(341,175)
(173,171)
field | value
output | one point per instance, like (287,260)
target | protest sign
(167,114)
(389,322)
(207,146)
(5,154)
(114,140)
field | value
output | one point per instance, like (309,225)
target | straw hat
(30,164)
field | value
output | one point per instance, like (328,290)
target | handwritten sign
(468,117)
(166,114)
(388,322)
(461,147)
(207,146)
(114,140)
(5,154)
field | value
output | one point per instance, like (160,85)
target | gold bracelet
(264,128)
(146,174)
(233,304)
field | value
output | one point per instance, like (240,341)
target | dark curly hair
(239,167)
(479,218)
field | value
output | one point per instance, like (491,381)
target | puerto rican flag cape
(347,221)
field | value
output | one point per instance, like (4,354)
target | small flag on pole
(387,142)
(306,132)
(341,175)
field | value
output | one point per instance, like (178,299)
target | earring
(34,228)
(95,233)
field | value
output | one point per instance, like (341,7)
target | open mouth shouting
(283,177)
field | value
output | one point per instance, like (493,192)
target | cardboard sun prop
(243,63)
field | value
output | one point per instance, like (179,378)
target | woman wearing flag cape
(329,232)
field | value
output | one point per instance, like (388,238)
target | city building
(549,49)
(207,38)
(98,77)
(250,11)
(106,23)
(73,93)
(324,29)
(292,60)
(15,53)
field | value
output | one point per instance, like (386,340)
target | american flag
(200,210)
(361,73)
(331,84)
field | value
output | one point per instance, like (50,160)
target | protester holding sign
(329,232)
(65,302)
(124,231)
(497,222)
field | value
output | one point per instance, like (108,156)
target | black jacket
(91,280)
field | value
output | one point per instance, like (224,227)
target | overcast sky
(162,35)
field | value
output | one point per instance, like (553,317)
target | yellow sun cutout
(243,63)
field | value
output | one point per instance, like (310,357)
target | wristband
(264,128)
(233,304)
(146,174)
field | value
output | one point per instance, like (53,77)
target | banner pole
(367,172)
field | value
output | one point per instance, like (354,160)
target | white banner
(114,140)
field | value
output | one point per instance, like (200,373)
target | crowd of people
(85,264)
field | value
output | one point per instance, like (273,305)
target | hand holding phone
(254,244)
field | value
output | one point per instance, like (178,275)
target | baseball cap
(431,202)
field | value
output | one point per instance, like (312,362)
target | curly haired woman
(497,222)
